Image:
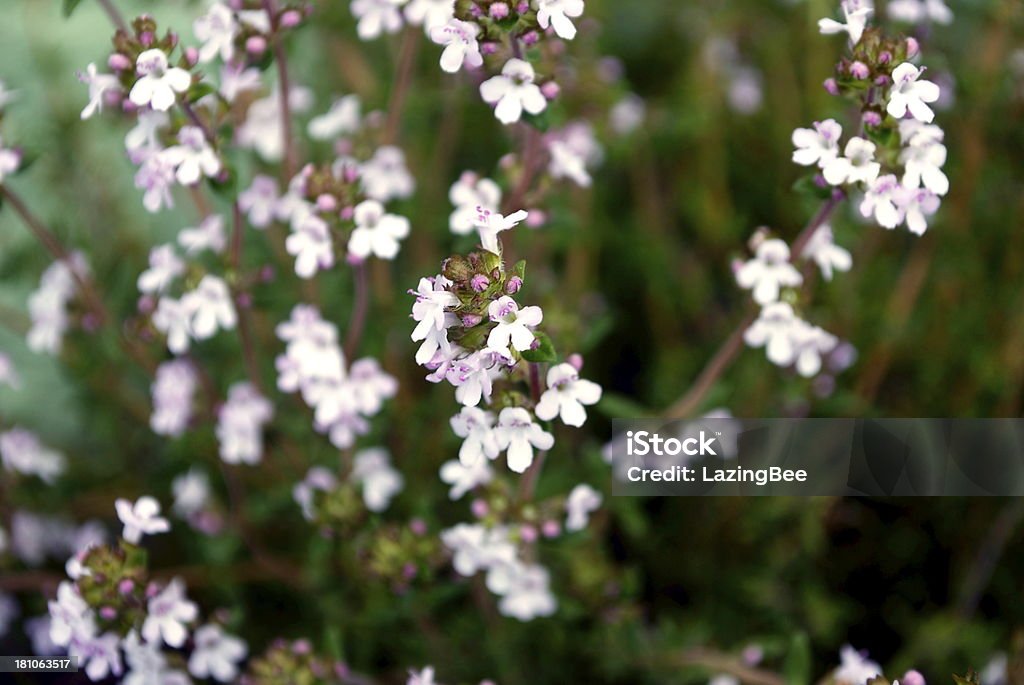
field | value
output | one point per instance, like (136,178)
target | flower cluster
(22,452)
(48,304)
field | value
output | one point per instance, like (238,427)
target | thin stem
(686,405)
(719,662)
(242,301)
(357,322)
(291,160)
(116,18)
(403,79)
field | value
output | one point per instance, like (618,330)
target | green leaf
(544,352)
(70,6)
(970,679)
(541,122)
(797,667)
(520,270)
(806,187)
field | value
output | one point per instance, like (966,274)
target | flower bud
(471,320)
(859,70)
(551,90)
(531,38)
(418,526)
(302,646)
(126,586)
(479,283)
(884,57)
(576,360)
(513,284)
(290,19)
(409,571)
(326,203)
(913,50)
(488,48)
(256,45)
(244,300)
(146,38)
(912,677)
(108,613)
(118,62)
(871,118)
(267,273)
(191,56)
(523,7)
(347,212)
(752,655)
(528,534)
(882,80)
(479,508)
(499,10)
(831,87)
(551,529)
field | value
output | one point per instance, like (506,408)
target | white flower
(172,318)
(572,150)
(158,82)
(464,478)
(240,424)
(236,78)
(156,177)
(527,594)
(854,668)
(822,249)
(916,205)
(513,90)
(809,344)
(468,195)
(857,165)
(372,468)
(773,330)
(210,308)
(216,654)
(100,655)
(216,30)
(143,140)
(880,201)
(22,452)
(432,299)
(341,118)
(424,677)
(10,160)
(259,200)
(514,325)
(461,46)
(909,93)
(209,235)
(191,493)
(98,84)
(263,130)
(489,224)
(627,114)
(70,616)
(164,267)
(376,233)
(582,501)
(385,177)
(317,478)
(310,243)
(173,387)
(922,166)
(147,664)
(168,612)
(566,395)
(193,158)
(856,13)
(518,434)
(476,428)
(919,11)
(429,13)
(47,305)
(141,518)
(473,376)
(377,17)
(477,548)
(768,272)
(556,13)
(818,145)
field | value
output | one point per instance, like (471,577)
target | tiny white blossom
(818,145)
(582,501)
(240,424)
(468,195)
(259,200)
(519,435)
(423,677)
(236,78)
(376,232)
(514,325)
(809,344)
(922,166)
(557,13)
(855,668)
(377,17)
(489,224)
(143,140)
(310,243)
(880,201)
(317,478)
(768,272)
(216,654)
(910,93)
(464,478)
(210,308)
(22,452)
(168,613)
(70,616)
(461,46)
(476,428)
(141,518)
(566,395)
(385,176)
(380,482)
(263,130)
(208,235)
(822,249)
(857,165)
(99,654)
(513,91)
(156,178)
(916,205)
(340,119)
(158,82)
(429,13)
(173,318)
(164,266)
(856,13)
(432,299)
(98,84)
(8,374)
(147,664)
(773,330)
(191,493)
(477,548)
(173,388)
(10,160)
(919,11)
(526,593)
(193,158)
(216,30)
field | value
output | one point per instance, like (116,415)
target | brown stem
(291,160)
(242,297)
(357,321)
(116,18)
(402,81)
(723,663)
(686,405)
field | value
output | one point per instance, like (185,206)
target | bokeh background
(633,273)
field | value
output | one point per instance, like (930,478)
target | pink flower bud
(267,273)
(859,70)
(831,87)
(752,655)
(347,212)
(146,304)
(479,508)
(108,613)
(471,320)
(913,50)
(551,529)
(576,360)
(191,56)
(884,57)
(531,38)
(882,80)
(528,534)
(152,590)
(119,62)
(523,7)
(90,322)
(146,38)
(302,646)
(499,10)
(912,677)
(551,90)
(475,10)
(244,300)
(488,48)
(479,283)
(126,586)
(172,37)
(353,260)
(418,526)
(341,670)
(536,218)
(326,203)
(409,571)
(820,181)
(513,285)
(871,118)
(256,45)
(291,19)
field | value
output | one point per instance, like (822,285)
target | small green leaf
(520,270)
(544,352)
(541,122)
(70,6)
(797,667)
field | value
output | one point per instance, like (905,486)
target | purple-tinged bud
(191,56)
(351,174)
(129,107)
(256,45)
(474,10)
(418,526)
(471,320)
(126,586)
(236,4)
(752,655)
(146,304)
(341,670)
(913,50)
(479,283)
(152,590)
(551,529)
(209,522)
(859,70)
(823,386)
(831,87)
(108,613)
(871,118)
(499,10)
(912,677)
(523,7)
(353,259)
(551,90)
(531,38)
(302,646)
(244,300)
(882,80)
(267,273)
(820,181)
(479,508)
(172,37)
(488,48)
(290,19)
(118,62)
(146,38)
(326,203)
(528,534)
(513,285)
(347,212)
(884,57)
(576,361)
(536,218)
(409,571)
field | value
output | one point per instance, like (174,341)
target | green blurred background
(635,274)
